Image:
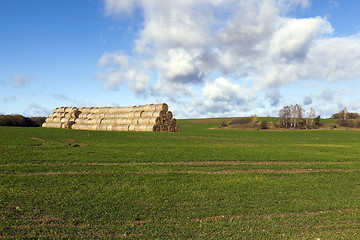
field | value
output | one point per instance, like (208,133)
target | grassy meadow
(201,183)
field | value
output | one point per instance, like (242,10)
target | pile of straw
(63,117)
(149,118)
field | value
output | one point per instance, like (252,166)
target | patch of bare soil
(38,139)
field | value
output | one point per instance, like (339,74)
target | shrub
(264,125)
(223,124)
(242,120)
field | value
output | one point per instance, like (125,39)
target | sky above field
(205,58)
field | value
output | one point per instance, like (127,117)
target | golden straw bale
(94,110)
(159,114)
(85,110)
(120,128)
(177,129)
(156,128)
(144,128)
(123,121)
(146,107)
(121,115)
(135,120)
(132,127)
(171,128)
(109,115)
(147,114)
(79,120)
(144,120)
(161,107)
(83,115)
(169,115)
(163,128)
(108,121)
(121,109)
(135,114)
(173,122)
(153,121)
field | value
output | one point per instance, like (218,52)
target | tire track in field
(194,163)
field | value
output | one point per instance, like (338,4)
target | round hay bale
(90,115)
(121,110)
(108,121)
(159,114)
(132,127)
(156,128)
(120,128)
(63,119)
(67,115)
(161,107)
(85,110)
(79,120)
(169,115)
(144,120)
(95,127)
(49,119)
(142,128)
(146,107)
(110,127)
(109,115)
(153,121)
(105,109)
(123,121)
(177,129)
(147,114)
(94,110)
(83,115)
(163,128)
(135,114)
(171,128)
(121,115)
(99,115)
(135,120)
(173,122)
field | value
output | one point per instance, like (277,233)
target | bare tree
(297,113)
(310,118)
(284,116)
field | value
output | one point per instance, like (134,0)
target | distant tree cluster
(345,115)
(21,121)
(347,119)
(294,116)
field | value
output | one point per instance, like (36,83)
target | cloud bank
(216,53)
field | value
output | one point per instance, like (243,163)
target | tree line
(18,120)
(294,116)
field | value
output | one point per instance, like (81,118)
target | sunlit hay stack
(149,118)
(63,117)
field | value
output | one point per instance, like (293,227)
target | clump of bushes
(264,125)
(242,120)
(18,120)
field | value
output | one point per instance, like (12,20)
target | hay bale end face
(149,118)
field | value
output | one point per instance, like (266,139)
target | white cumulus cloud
(183,44)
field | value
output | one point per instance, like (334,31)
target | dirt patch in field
(234,171)
(269,216)
(38,139)
(49,173)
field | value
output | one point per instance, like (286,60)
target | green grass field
(198,184)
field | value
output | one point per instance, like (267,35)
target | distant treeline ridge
(18,120)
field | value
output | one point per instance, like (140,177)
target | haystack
(149,118)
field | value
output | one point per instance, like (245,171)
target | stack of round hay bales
(150,118)
(63,117)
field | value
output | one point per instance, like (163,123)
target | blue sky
(205,58)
